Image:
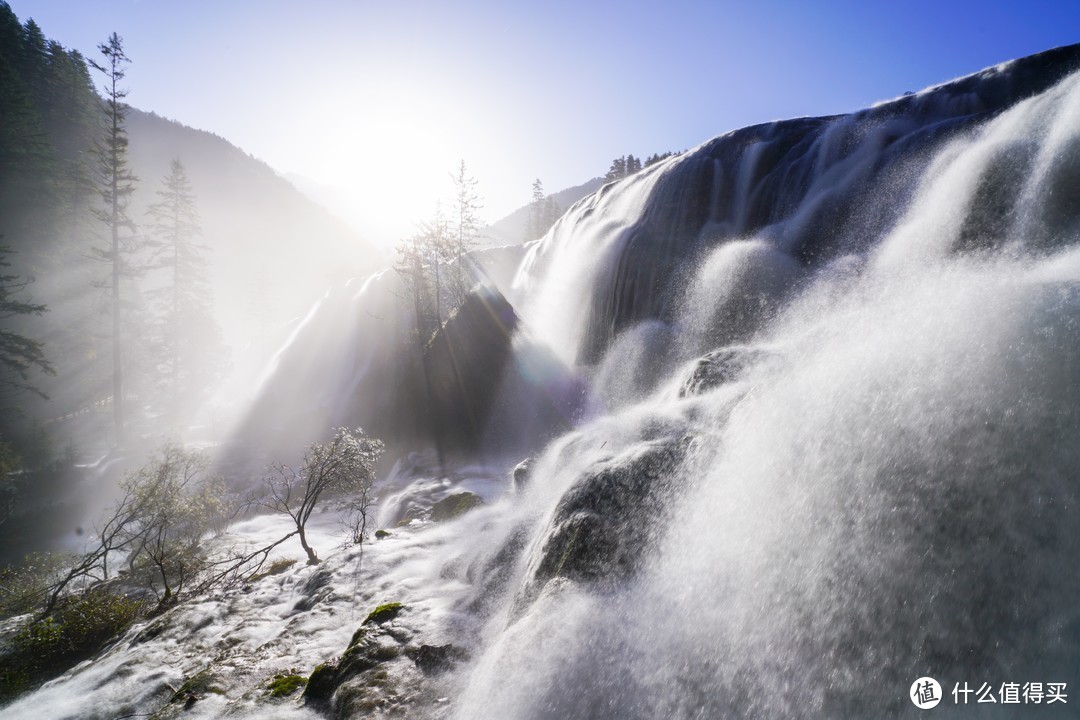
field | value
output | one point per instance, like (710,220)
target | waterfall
(803,406)
(872,478)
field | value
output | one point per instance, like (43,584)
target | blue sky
(380,99)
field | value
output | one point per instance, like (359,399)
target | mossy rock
(363,657)
(197,686)
(284,685)
(322,682)
(603,523)
(380,534)
(383,613)
(455,505)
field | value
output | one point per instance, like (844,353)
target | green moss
(384,613)
(380,534)
(455,505)
(358,636)
(198,684)
(285,685)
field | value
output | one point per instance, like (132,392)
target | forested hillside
(133,248)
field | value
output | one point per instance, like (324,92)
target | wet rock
(464,360)
(434,659)
(603,524)
(522,472)
(354,682)
(381,614)
(718,367)
(455,505)
(314,590)
(322,682)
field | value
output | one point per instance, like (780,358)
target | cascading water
(830,444)
(876,482)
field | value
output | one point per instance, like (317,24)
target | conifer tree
(19,354)
(543,212)
(534,227)
(617,169)
(190,338)
(117,183)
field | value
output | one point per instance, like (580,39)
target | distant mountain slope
(274,251)
(511,229)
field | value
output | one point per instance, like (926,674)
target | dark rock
(718,367)
(465,360)
(151,631)
(381,614)
(367,650)
(455,505)
(433,659)
(602,526)
(322,683)
(314,590)
(522,472)
(318,580)
(380,534)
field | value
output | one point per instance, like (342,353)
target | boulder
(602,526)
(455,505)
(718,367)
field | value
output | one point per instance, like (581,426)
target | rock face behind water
(718,367)
(464,362)
(812,185)
(602,526)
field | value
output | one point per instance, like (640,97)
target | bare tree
(343,466)
(158,524)
(464,235)
(180,504)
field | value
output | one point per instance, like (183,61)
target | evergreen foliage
(192,352)
(628,165)
(543,212)
(19,354)
(116,184)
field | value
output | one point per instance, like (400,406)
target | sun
(388,152)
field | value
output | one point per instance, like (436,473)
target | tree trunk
(312,558)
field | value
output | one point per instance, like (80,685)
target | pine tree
(543,212)
(534,227)
(551,212)
(19,354)
(617,169)
(190,338)
(117,186)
